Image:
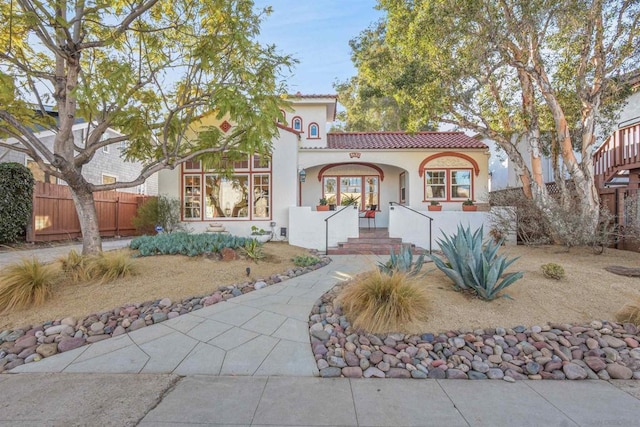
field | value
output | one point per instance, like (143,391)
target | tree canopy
(513,71)
(148,69)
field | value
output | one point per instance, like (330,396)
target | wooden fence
(54,214)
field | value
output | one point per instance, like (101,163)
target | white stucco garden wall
(309,230)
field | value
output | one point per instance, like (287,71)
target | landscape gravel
(598,350)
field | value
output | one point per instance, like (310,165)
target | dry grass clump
(381,303)
(552,270)
(26,283)
(630,313)
(106,267)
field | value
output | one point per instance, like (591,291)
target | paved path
(263,333)
(167,399)
(50,254)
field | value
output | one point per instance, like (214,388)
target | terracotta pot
(321,208)
(434,207)
(469,208)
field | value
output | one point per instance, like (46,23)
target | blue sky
(317,33)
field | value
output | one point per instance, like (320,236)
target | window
(448,184)
(314,131)
(142,188)
(246,194)
(461,184)
(108,179)
(435,184)
(296,124)
(261,187)
(104,137)
(364,191)
(191,196)
(282,118)
(403,188)
(105,149)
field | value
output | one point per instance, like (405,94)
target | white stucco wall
(309,230)
(413,227)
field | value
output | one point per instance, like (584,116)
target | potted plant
(260,235)
(469,205)
(323,205)
(434,206)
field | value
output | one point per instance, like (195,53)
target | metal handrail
(391,204)
(326,223)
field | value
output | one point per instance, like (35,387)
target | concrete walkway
(263,333)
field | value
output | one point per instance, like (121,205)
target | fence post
(31,226)
(117,216)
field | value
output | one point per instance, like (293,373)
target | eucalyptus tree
(147,68)
(515,71)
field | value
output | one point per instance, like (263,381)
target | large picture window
(364,191)
(246,194)
(448,184)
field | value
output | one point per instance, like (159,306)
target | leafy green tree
(147,68)
(515,71)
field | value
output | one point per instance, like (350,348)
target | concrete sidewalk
(167,399)
(264,332)
(50,254)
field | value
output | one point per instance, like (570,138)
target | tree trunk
(86,209)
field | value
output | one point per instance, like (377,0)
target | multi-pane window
(403,188)
(243,195)
(314,131)
(261,187)
(363,191)
(191,196)
(449,184)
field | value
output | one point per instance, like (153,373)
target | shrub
(381,303)
(105,267)
(74,265)
(109,266)
(402,262)
(26,283)
(630,313)
(552,271)
(305,260)
(181,243)
(162,211)
(475,265)
(253,249)
(16,200)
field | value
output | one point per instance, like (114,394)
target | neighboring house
(107,165)
(307,164)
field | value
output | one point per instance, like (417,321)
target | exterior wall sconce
(302,175)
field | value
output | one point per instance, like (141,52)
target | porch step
(373,248)
(374,241)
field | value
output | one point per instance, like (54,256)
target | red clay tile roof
(395,140)
(300,95)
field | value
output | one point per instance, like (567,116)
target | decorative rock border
(35,342)
(600,350)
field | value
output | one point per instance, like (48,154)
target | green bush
(305,260)
(402,262)
(16,200)
(181,243)
(253,249)
(473,264)
(552,271)
(162,211)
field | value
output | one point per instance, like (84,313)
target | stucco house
(380,172)
(107,166)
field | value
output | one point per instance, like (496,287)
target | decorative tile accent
(225,126)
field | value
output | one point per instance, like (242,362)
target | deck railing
(620,151)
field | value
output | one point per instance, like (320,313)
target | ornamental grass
(380,303)
(25,284)
(630,312)
(106,267)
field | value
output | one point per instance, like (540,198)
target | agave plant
(402,262)
(474,264)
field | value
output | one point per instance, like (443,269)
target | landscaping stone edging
(600,350)
(35,342)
